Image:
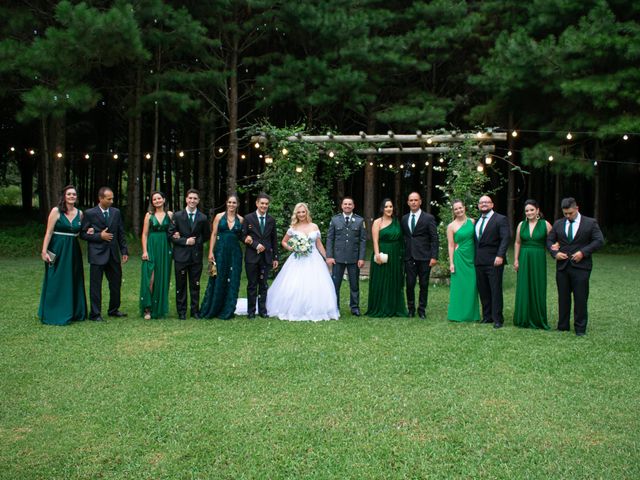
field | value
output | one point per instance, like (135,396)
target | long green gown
(531,288)
(221,295)
(156,272)
(463,293)
(386,281)
(63,298)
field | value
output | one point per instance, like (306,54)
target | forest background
(137,94)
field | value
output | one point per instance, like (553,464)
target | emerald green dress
(531,289)
(463,293)
(221,295)
(386,281)
(156,272)
(63,298)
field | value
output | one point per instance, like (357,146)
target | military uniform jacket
(346,243)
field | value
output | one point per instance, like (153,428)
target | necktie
(570,232)
(191,218)
(484,219)
(106,215)
(261,224)
(413,222)
(346,220)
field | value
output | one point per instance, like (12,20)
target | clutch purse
(213,269)
(384,257)
(52,256)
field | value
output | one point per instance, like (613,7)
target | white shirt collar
(190,212)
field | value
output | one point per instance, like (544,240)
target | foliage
(305,173)
(353,398)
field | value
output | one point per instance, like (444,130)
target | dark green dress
(221,295)
(463,293)
(156,272)
(63,297)
(386,281)
(531,289)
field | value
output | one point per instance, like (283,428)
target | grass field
(354,398)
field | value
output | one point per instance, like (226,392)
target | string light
(32,152)
(429,141)
(87,156)
(390,166)
(371,164)
(625,137)
(220,150)
(59,155)
(243,156)
(551,158)
(480,168)
(413,165)
(181,154)
(256,145)
(298,169)
(514,133)
(148,156)
(401,166)
(285,151)
(509,153)
(595,164)
(115,156)
(488,160)
(13,149)
(441,160)
(426,164)
(268,159)
(569,136)
(331,154)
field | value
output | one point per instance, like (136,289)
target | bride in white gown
(303,290)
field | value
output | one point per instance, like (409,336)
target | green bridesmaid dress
(386,281)
(63,297)
(463,293)
(221,295)
(156,272)
(531,289)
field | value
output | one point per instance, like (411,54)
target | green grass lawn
(354,398)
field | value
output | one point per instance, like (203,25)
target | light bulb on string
(413,165)
(441,160)
(480,168)
(87,156)
(509,153)
(268,159)
(514,133)
(426,164)
(429,141)
(488,160)
(625,137)
(181,154)
(243,156)
(59,154)
(32,152)
(569,136)
(331,154)
(220,150)
(115,156)
(299,169)
(13,149)
(148,156)
(551,158)
(285,151)
(256,145)
(595,163)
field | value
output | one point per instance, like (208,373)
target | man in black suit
(492,240)
(420,252)
(572,241)
(188,232)
(261,254)
(103,229)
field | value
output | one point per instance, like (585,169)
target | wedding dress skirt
(303,290)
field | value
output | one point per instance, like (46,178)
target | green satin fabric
(155,276)
(464,305)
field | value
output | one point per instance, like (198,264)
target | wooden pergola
(417,143)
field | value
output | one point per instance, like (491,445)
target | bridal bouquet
(301,245)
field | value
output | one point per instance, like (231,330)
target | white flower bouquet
(301,245)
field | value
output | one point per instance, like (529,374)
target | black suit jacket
(587,239)
(201,230)
(268,238)
(422,244)
(494,240)
(100,251)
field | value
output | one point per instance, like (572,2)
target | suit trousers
(417,271)
(489,280)
(337,272)
(113,272)
(257,286)
(192,272)
(573,280)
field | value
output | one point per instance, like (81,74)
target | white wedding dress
(303,290)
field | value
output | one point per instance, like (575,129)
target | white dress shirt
(479,222)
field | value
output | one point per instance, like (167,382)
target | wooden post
(429,185)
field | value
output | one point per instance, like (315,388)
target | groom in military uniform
(346,244)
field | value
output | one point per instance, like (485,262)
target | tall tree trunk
(135,159)
(397,183)
(156,126)
(211,171)
(369,189)
(232,156)
(25,165)
(202,158)
(56,172)
(556,196)
(596,184)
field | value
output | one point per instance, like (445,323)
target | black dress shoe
(422,315)
(486,321)
(182,316)
(251,315)
(97,319)
(355,312)
(196,316)
(580,334)
(497,325)
(264,315)
(118,313)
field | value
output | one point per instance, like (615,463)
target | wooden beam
(419,150)
(418,137)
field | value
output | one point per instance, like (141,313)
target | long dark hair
(534,204)
(152,209)
(383,203)
(62,205)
